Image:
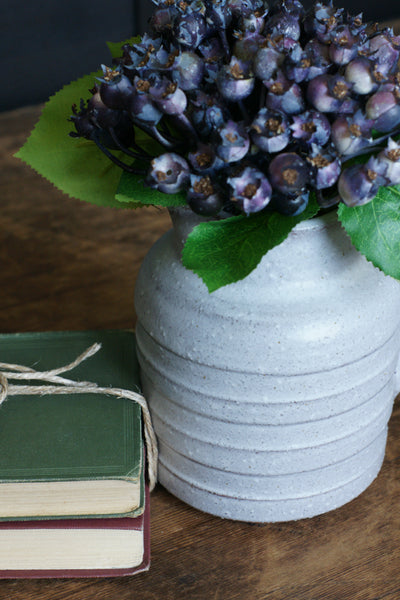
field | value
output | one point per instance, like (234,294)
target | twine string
(54,384)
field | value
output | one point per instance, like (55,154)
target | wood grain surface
(68,265)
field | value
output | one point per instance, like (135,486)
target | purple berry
(162,20)
(270,131)
(360,74)
(311,127)
(190,29)
(384,50)
(304,65)
(141,105)
(325,167)
(245,7)
(252,24)
(202,196)
(213,53)
(351,133)
(343,45)
(285,96)
(359,184)
(219,14)
(288,173)
(167,96)
(204,159)
(115,89)
(250,190)
(391,158)
(235,81)
(205,114)
(188,70)
(285,24)
(292,7)
(267,62)
(169,173)
(322,20)
(232,142)
(331,93)
(383,107)
(102,116)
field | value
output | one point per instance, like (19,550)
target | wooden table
(69,265)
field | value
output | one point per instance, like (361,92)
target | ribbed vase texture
(270,397)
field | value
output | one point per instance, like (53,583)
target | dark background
(44,44)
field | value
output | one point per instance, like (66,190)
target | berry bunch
(253,107)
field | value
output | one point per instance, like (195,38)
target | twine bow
(54,384)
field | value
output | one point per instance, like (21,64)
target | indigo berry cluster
(253,107)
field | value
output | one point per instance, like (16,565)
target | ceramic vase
(271,396)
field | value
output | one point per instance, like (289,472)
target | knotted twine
(11,372)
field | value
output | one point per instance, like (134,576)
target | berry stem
(116,160)
(327,202)
(225,43)
(263,96)
(161,138)
(183,123)
(166,132)
(142,155)
(153,132)
(244,111)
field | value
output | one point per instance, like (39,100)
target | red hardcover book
(75,547)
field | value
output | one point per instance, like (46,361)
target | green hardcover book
(74,455)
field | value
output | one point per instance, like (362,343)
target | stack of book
(73,499)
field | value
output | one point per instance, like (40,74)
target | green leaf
(75,166)
(374,229)
(132,189)
(225,251)
(115,48)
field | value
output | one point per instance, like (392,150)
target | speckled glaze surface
(270,397)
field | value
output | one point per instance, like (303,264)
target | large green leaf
(75,166)
(374,229)
(225,251)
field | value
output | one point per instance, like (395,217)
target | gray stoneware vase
(270,397)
